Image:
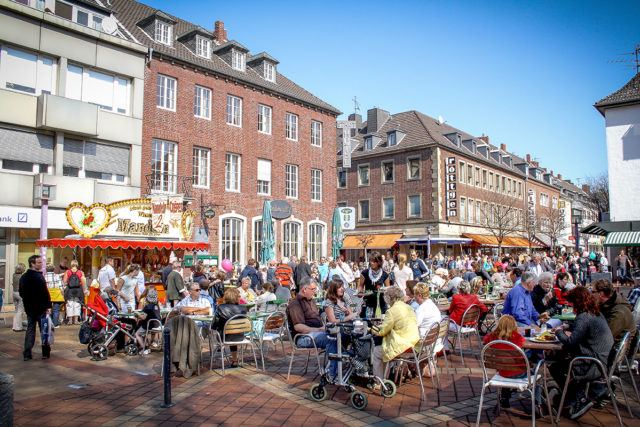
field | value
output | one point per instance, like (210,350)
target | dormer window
(392,139)
(203,47)
(164,32)
(238,60)
(269,72)
(368,143)
(458,139)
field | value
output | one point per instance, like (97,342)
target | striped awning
(623,238)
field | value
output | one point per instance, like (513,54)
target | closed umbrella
(266,250)
(336,234)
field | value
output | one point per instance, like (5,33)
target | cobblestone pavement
(70,389)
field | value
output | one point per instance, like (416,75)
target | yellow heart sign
(186,224)
(88,221)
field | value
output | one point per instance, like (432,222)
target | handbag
(46,330)
(84,334)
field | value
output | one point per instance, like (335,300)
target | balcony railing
(169,183)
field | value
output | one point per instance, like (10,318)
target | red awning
(124,244)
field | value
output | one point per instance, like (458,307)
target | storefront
(440,244)
(354,246)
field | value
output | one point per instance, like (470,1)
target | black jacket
(537,297)
(302,271)
(224,312)
(34,293)
(254,275)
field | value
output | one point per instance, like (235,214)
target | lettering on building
(451,179)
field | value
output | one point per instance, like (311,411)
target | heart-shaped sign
(88,221)
(186,224)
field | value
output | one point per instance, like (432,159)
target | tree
(530,224)
(552,224)
(598,191)
(500,216)
(365,240)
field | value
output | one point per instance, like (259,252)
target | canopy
(336,234)
(266,248)
(623,238)
(423,239)
(122,244)
(376,241)
(602,228)
(507,242)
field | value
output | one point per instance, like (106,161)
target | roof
(129,13)
(628,94)
(603,228)
(94,4)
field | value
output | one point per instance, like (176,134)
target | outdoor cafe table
(535,345)
(568,316)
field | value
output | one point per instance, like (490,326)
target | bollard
(166,368)
(6,400)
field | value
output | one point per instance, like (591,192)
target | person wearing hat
(150,311)
(271,271)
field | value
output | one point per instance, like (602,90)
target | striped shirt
(284,274)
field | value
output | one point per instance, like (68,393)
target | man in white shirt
(604,263)
(194,303)
(107,275)
(345,271)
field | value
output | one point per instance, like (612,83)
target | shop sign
(134,217)
(451,196)
(280,209)
(346,126)
(347,218)
(209,213)
(531,207)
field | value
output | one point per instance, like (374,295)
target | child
(150,311)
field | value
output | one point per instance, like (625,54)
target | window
(478,213)
(291,126)
(388,208)
(202,103)
(368,143)
(166,92)
(201,159)
(520,190)
(470,174)
(203,47)
(413,168)
(461,173)
(291,239)
(163,165)
(316,133)
(497,183)
(391,139)
(504,184)
(270,72)
(232,172)
(363,210)
(291,181)
(544,200)
(26,72)
(477,177)
(509,186)
(545,225)
(234,110)
(257,238)
(88,159)
(470,211)
(316,185)
(387,171)
(164,32)
(317,241)
(363,175)
(238,60)
(30,167)
(484,178)
(264,119)
(415,208)
(36,4)
(110,93)
(231,238)
(88,19)
(463,210)
(264,177)
(554,203)
(491,181)
(342,179)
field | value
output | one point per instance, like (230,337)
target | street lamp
(44,193)
(576,214)
(430,228)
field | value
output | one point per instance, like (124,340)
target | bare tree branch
(365,240)
(501,216)
(552,224)
(598,191)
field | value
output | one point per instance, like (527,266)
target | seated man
(304,318)
(518,302)
(282,292)
(194,303)
(615,309)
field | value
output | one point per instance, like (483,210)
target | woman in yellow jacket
(399,330)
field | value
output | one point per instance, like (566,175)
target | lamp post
(430,228)
(576,214)
(44,193)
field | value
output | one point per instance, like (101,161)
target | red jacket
(517,339)
(460,303)
(561,295)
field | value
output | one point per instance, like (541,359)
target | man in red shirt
(284,273)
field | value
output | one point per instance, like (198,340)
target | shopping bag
(46,330)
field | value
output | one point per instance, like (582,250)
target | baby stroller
(103,329)
(354,365)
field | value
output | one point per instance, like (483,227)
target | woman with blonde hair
(127,287)
(427,312)
(17,301)
(401,273)
(75,286)
(476,284)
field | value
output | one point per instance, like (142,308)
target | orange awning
(482,239)
(377,241)
(508,242)
(519,242)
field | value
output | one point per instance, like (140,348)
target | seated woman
(149,311)
(460,303)
(562,287)
(399,331)
(246,293)
(266,296)
(226,311)
(336,306)
(499,278)
(409,296)
(426,315)
(590,336)
(543,296)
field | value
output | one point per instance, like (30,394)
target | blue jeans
(55,313)
(319,337)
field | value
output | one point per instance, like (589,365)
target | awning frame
(122,244)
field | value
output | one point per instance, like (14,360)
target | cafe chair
(238,324)
(154,328)
(294,347)
(629,359)
(442,299)
(468,326)
(443,333)
(272,331)
(608,377)
(496,357)
(491,321)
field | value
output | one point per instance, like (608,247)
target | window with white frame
(264,177)
(463,209)
(166,92)
(519,190)
(291,236)
(554,203)
(316,185)
(108,92)
(238,60)
(469,174)
(391,139)
(291,126)
(202,102)
(201,162)
(504,184)
(363,175)
(484,178)
(316,133)
(413,168)
(478,212)
(164,32)
(388,208)
(477,177)
(231,236)
(490,181)
(257,238)
(363,210)
(164,165)
(270,72)
(291,181)
(497,183)
(36,4)
(203,47)
(96,160)
(544,200)
(264,119)
(368,143)
(234,110)
(470,212)
(87,18)
(509,186)
(27,72)
(232,172)
(545,225)
(387,171)
(342,179)
(317,241)
(415,206)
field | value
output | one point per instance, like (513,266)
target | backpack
(74,280)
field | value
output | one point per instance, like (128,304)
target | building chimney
(551,172)
(528,158)
(585,188)
(484,138)
(535,164)
(559,176)
(219,33)
(358,119)
(503,147)
(376,118)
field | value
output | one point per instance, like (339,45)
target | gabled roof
(262,55)
(94,4)
(229,44)
(130,13)
(199,31)
(628,94)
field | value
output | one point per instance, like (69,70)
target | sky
(526,73)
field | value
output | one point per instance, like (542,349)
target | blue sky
(526,73)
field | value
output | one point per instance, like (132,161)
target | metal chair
(490,322)
(442,338)
(506,356)
(238,324)
(154,326)
(608,377)
(468,326)
(294,348)
(271,332)
(629,358)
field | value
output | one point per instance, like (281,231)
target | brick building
(225,128)
(410,173)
